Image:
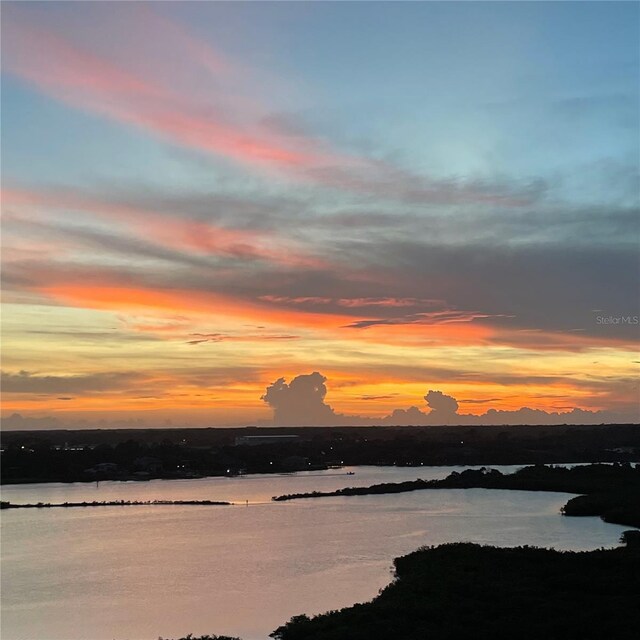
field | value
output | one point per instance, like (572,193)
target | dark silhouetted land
(613,490)
(112,503)
(469,591)
(205,637)
(73,456)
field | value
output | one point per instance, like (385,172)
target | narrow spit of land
(611,491)
(113,503)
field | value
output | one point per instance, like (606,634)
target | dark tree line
(41,457)
(468,591)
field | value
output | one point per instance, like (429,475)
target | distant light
(461,441)
(228,470)
(271,463)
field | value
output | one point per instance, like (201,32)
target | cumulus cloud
(440,403)
(443,411)
(300,402)
(406,417)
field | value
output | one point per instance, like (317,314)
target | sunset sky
(202,198)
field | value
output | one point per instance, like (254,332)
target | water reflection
(142,572)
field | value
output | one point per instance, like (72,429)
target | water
(141,572)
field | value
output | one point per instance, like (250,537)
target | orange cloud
(119,297)
(122,297)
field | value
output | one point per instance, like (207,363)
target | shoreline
(185,454)
(266,473)
(500,592)
(609,491)
(406,595)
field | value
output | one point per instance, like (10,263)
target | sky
(320,213)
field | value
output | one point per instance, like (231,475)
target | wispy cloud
(70,72)
(73,74)
(32,382)
(195,238)
(437,317)
(200,338)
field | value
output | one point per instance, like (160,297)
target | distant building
(72,447)
(254,440)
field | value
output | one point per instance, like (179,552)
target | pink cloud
(75,75)
(82,79)
(198,236)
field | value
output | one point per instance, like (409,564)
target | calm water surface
(141,572)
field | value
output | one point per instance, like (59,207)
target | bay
(140,572)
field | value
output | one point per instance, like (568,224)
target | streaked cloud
(30,382)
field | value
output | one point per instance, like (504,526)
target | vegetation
(66,456)
(579,479)
(469,591)
(631,538)
(613,490)
(621,507)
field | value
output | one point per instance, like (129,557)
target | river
(140,572)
